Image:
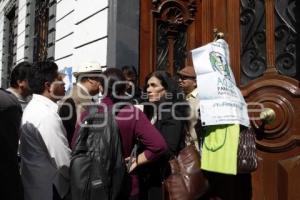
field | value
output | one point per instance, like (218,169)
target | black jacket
(67,112)
(173,131)
(152,174)
(10,120)
(97,168)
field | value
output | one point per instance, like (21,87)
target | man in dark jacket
(19,83)
(10,119)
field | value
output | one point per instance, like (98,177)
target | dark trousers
(55,194)
(134,197)
(228,187)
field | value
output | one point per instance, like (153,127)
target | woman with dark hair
(166,110)
(133,125)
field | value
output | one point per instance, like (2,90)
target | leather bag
(247,158)
(186,181)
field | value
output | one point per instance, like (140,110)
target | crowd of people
(40,126)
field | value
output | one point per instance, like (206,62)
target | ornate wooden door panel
(262,39)
(268,68)
(278,143)
(165,30)
(169,29)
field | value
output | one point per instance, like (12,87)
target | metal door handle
(217,34)
(267,116)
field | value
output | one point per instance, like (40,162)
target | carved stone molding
(9,6)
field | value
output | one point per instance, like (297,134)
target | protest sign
(221,101)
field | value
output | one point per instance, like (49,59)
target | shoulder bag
(186,181)
(247,158)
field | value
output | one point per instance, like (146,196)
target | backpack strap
(81,145)
(87,121)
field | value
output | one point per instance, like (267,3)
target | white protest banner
(221,102)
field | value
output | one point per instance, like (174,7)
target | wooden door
(262,38)
(268,78)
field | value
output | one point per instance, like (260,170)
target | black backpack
(97,169)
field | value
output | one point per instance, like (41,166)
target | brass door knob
(268,115)
(220,35)
(217,34)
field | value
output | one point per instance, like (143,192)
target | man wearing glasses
(81,95)
(187,82)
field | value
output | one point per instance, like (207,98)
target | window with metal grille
(41,30)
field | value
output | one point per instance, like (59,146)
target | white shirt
(45,154)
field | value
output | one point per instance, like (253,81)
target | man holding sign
(223,109)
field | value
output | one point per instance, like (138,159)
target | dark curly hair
(42,72)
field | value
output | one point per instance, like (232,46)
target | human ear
(47,86)
(21,83)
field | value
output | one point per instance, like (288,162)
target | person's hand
(130,166)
